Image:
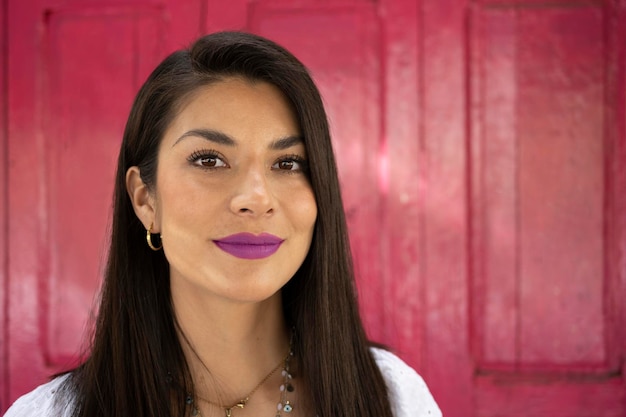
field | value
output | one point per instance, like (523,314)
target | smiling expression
(232,199)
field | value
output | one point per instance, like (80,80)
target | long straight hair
(136,365)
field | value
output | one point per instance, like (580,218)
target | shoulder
(44,401)
(408,394)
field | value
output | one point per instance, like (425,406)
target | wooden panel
(88,55)
(443,128)
(561,186)
(234,17)
(340,45)
(23,348)
(403,188)
(547,319)
(73,73)
(618,152)
(4,339)
(522,4)
(494,232)
(616,201)
(539,183)
(550,397)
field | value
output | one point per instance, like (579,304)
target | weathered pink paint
(73,69)
(4,339)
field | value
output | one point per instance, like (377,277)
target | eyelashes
(207,159)
(291,164)
(210,160)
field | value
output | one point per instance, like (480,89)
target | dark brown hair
(135,356)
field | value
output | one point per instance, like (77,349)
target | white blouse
(408,393)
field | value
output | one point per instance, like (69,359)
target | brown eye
(288,165)
(206,159)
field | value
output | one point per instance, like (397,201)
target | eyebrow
(286,143)
(210,135)
(223,139)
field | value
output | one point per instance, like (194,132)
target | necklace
(285,388)
(242,403)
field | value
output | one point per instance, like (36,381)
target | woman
(229,288)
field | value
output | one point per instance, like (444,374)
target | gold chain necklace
(242,403)
(286,387)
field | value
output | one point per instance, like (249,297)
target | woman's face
(232,199)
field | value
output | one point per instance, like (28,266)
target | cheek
(307,210)
(182,199)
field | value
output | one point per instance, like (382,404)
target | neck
(230,347)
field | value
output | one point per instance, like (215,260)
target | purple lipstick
(249,246)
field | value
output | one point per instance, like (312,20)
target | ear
(141,198)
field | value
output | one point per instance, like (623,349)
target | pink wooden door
(522,109)
(73,69)
(481,149)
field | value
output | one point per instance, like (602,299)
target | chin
(255,296)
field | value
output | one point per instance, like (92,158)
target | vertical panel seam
(516,205)
(4,166)
(422,171)
(383,190)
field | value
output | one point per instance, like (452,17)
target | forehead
(236,106)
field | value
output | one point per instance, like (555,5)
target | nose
(252,195)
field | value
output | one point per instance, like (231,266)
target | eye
(291,163)
(207,159)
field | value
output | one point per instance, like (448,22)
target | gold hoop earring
(149,239)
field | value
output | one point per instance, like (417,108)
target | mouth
(249,246)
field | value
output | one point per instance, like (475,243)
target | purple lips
(249,246)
